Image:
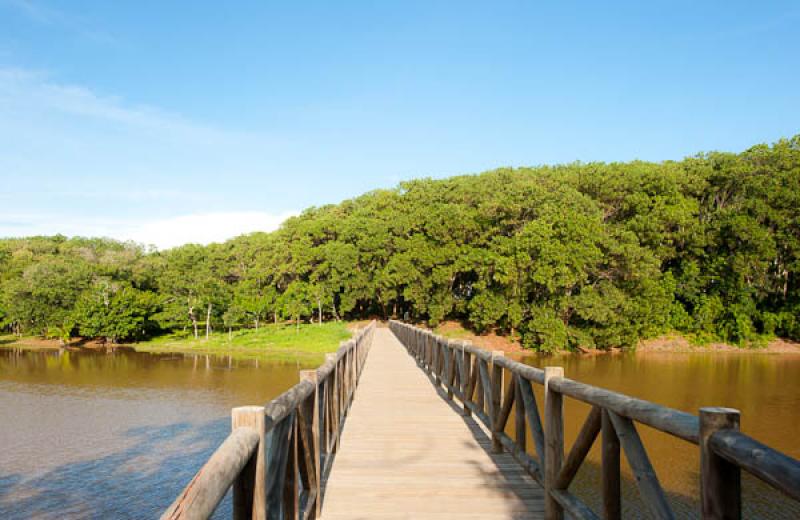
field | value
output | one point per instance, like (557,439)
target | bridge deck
(405,453)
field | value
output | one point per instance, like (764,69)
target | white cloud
(47,16)
(63,145)
(35,89)
(164,233)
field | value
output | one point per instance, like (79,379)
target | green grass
(281,342)
(451,332)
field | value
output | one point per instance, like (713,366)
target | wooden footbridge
(425,436)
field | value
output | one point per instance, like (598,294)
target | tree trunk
(208,321)
(230,337)
(256,320)
(319,309)
(193,319)
(275,316)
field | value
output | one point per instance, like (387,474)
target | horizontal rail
(476,377)
(276,455)
(200,498)
(668,420)
(773,467)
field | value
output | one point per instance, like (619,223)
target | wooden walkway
(405,453)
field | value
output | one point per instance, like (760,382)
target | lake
(765,388)
(95,434)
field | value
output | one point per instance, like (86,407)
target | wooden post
(496,393)
(311,375)
(519,417)
(449,368)
(720,480)
(612,491)
(553,442)
(291,493)
(469,388)
(437,359)
(333,408)
(249,488)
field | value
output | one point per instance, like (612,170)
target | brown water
(96,435)
(764,387)
(88,435)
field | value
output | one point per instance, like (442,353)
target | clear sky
(168,122)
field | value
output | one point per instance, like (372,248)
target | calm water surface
(764,387)
(118,435)
(96,435)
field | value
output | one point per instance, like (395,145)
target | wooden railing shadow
(277,455)
(476,378)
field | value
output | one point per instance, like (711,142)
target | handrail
(277,455)
(476,378)
(773,467)
(210,484)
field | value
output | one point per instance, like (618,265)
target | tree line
(576,255)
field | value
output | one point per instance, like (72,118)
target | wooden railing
(277,455)
(476,378)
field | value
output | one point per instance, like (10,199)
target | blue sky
(168,122)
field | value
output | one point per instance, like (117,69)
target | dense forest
(590,255)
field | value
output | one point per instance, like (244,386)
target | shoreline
(665,344)
(270,343)
(672,343)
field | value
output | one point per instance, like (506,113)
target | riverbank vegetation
(272,342)
(580,255)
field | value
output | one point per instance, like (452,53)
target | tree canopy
(576,255)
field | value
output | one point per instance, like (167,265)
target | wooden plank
(528,463)
(649,487)
(574,506)
(406,452)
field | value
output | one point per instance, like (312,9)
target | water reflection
(117,434)
(765,388)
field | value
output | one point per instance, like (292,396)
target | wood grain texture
(408,452)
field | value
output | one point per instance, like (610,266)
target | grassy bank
(273,342)
(308,343)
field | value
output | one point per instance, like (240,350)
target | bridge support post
(250,486)
(720,480)
(436,342)
(309,413)
(612,492)
(469,386)
(553,442)
(332,396)
(496,394)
